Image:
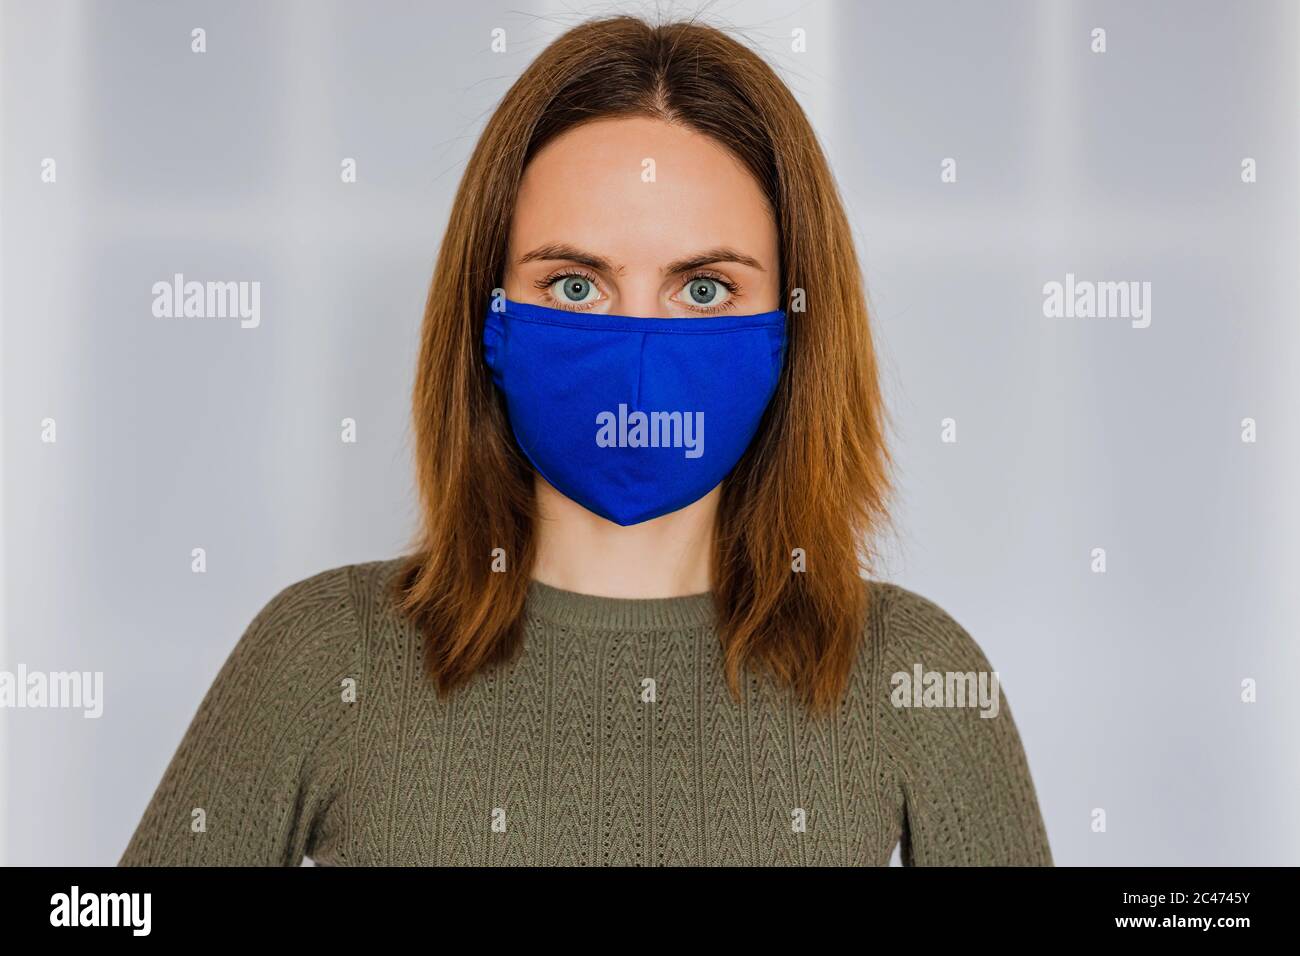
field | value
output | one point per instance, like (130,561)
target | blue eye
(707,292)
(573,289)
(704,291)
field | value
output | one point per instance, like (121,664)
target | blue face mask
(632,418)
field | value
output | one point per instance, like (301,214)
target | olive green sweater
(611,740)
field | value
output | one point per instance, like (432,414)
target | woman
(650,452)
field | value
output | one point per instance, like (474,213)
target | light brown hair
(814,478)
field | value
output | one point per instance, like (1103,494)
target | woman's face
(635,216)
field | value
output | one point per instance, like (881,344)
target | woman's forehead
(635,187)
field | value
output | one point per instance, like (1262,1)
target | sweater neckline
(619,614)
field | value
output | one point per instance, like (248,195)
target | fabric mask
(632,418)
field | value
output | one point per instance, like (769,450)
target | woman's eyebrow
(568,253)
(721,254)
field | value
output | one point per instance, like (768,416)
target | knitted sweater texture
(612,739)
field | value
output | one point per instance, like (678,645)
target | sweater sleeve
(969,799)
(256,768)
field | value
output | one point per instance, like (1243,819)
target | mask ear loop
(492,341)
(779,353)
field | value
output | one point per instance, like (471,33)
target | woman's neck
(579,551)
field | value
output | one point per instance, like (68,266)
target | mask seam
(640,372)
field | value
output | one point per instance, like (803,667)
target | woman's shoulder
(344,585)
(905,624)
(321,618)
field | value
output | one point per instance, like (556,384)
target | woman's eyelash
(728,284)
(546,283)
(733,288)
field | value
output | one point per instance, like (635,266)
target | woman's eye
(574,290)
(705,292)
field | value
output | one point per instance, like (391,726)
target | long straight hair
(795,516)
